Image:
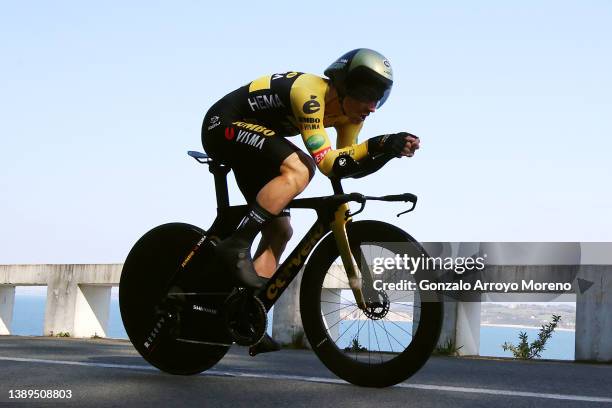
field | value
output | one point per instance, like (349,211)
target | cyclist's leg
(296,171)
(294,174)
(270,172)
(268,186)
(274,238)
(256,162)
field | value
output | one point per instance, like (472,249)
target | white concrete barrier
(91,311)
(594,315)
(7,300)
(78,296)
(78,301)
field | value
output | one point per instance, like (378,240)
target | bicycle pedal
(266,345)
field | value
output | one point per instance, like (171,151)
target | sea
(29,314)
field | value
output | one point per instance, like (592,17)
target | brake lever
(408,210)
(348,213)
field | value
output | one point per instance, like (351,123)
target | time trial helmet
(363,74)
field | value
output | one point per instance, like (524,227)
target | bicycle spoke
(393,337)
(369,345)
(340,319)
(387,333)
(358,332)
(377,342)
(334,311)
(397,313)
(334,303)
(337,294)
(342,279)
(399,327)
(343,333)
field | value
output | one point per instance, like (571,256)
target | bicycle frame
(332,215)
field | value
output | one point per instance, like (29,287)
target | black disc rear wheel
(151,321)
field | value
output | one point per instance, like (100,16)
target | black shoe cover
(265,345)
(238,261)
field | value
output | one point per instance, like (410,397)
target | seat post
(220,172)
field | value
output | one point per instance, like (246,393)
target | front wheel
(390,340)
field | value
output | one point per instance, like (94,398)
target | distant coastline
(518,326)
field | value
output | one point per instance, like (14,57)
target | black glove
(393,143)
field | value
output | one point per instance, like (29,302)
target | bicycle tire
(318,332)
(145,274)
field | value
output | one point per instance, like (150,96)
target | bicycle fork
(353,273)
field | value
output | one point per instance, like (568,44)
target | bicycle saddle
(198,155)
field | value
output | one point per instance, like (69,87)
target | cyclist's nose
(372,106)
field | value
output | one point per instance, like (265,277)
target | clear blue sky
(100,101)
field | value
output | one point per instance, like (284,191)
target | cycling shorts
(254,152)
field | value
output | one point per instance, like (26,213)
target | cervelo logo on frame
(293,264)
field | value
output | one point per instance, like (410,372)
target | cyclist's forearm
(354,153)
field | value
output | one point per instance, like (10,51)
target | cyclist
(248,129)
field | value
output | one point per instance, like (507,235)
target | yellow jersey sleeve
(308,105)
(347,134)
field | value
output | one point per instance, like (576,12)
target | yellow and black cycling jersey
(293,103)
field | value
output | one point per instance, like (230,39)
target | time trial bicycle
(182,311)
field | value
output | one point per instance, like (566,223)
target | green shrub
(355,346)
(449,348)
(527,351)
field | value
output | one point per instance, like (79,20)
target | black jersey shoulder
(267,101)
(271,92)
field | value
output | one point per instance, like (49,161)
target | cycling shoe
(238,260)
(266,344)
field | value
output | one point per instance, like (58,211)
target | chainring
(246,318)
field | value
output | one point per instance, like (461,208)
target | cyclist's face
(357,110)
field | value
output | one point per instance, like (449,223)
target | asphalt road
(111,373)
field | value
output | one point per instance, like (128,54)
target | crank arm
(208,343)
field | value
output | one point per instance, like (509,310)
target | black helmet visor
(367,86)
(368,93)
